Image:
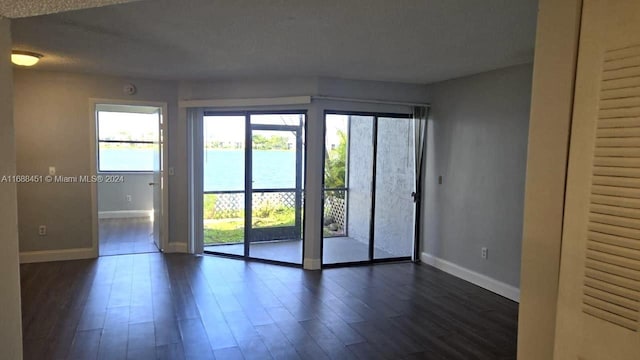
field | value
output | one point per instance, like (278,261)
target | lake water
(223,169)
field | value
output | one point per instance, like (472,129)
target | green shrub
(209,211)
(335,164)
(264,210)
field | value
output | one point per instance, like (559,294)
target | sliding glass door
(253,185)
(275,184)
(224,158)
(348,189)
(369,178)
(394,184)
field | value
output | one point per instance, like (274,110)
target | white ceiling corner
(26,8)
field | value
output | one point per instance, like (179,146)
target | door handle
(151,183)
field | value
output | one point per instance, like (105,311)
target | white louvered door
(599,299)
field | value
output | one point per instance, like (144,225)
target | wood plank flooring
(335,250)
(126,236)
(176,306)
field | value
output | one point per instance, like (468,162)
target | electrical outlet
(485,253)
(42,230)
(128,197)
(171,171)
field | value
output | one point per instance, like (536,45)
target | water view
(272,169)
(223,169)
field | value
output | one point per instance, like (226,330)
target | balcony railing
(275,216)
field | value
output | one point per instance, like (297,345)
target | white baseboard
(176,248)
(121,214)
(312,264)
(57,255)
(491,284)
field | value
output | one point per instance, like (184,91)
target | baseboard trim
(121,214)
(176,248)
(312,264)
(491,284)
(28,257)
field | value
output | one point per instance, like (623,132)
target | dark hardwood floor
(155,306)
(126,236)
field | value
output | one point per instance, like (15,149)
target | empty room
(319,179)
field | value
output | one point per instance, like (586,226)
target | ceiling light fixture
(24,58)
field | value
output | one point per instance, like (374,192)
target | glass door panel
(274,159)
(276,190)
(348,187)
(395,181)
(224,184)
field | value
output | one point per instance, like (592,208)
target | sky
(231,128)
(139,126)
(224,128)
(332,125)
(216,128)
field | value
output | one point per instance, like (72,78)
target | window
(128,140)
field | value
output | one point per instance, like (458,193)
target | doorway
(253,185)
(129,181)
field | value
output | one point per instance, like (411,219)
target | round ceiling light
(24,58)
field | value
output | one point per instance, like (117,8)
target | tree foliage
(335,162)
(261,142)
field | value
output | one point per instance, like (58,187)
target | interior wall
(377,90)
(244,89)
(113,196)
(477,142)
(53,118)
(10,316)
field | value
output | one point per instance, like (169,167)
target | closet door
(599,297)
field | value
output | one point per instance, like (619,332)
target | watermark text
(60,179)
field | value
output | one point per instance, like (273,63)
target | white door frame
(164,230)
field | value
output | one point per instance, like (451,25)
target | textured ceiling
(25,8)
(417,41)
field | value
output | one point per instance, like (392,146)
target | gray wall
(10,316)
(244,89)
(52,117)
(365,89)
(113,196)
(478,143)
(296,86)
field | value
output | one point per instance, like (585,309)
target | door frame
(371,255)
(301,140)
(93,166)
